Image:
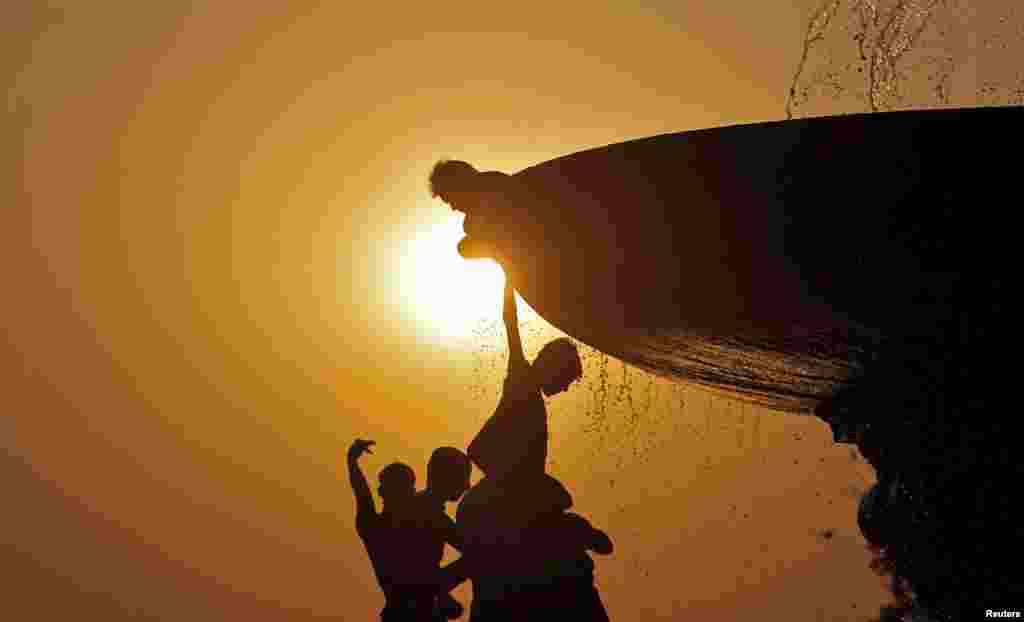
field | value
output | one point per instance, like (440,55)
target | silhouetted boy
(517,533)
(405,541)
(485,198)
(448,473)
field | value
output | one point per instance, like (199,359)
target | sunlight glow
(447,295)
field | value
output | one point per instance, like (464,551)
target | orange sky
(206,251)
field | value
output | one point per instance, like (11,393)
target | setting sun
(447,295)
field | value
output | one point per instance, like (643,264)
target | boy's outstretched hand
(359,447)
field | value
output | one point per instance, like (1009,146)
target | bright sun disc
(448,295)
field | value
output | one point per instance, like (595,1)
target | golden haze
(208,299)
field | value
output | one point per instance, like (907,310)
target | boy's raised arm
(516,357)
(360,488)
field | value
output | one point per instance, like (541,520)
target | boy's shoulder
(518,378)
(502,182)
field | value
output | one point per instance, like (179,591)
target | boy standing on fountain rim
(513,443)
(475,194)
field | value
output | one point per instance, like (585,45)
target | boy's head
(397,483)
(451,181)
(448,473)
(558,365)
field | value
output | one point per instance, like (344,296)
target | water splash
(884,55)
(877,55)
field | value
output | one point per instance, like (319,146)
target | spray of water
(878,55)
